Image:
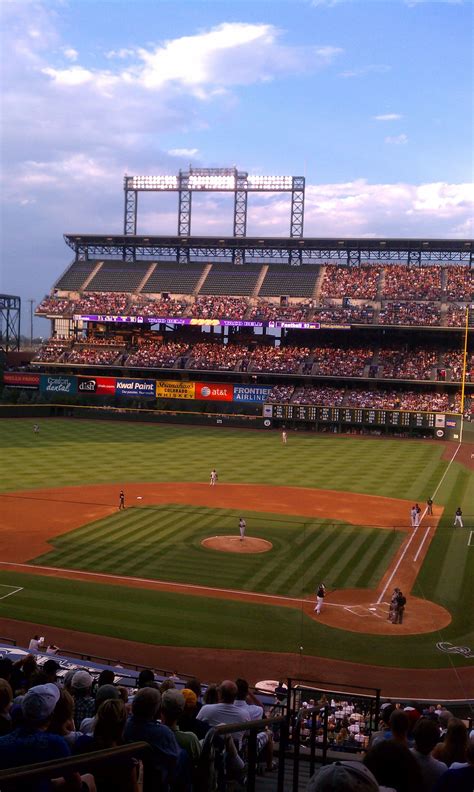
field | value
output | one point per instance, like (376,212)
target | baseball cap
(173,700)
(82,680)
(39,703)
(343,777)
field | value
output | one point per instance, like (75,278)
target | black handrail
(84,762)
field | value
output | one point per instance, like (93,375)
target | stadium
(320,390)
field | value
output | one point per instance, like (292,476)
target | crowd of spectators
(55,306)
(110,303)
(418,283)
(47,713)
(265,311)
(360,283)
(324,395)
(157,353)
(408,364)
(52,351)
(218,307)
(410,313)
(460,284)
(330,361)
(456,316)
(92,354)
(282,359)
(217,356)
(402,400)
(338,315)
(159,308)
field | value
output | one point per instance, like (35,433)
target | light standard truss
(215,180)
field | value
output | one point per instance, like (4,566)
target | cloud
(204,64)
(70,53)
(396,140)
(363,71)
(183,152)
(388,117)
(359,208)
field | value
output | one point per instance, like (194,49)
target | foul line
(422,543)
(469,540)
(395,570)
(15,590)
(159,583)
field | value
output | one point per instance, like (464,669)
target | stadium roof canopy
(284,249)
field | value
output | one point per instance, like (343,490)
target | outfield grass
(80,452)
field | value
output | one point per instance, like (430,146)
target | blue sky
(371,101)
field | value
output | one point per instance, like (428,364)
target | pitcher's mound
(233,544)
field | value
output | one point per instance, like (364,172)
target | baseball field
(169,570)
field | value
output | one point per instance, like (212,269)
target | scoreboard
(352,415)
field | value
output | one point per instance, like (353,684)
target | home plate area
(379,610)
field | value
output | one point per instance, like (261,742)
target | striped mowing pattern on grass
(164,543)
(67,452)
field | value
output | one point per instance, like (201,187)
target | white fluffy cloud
(397,140)
(388,117)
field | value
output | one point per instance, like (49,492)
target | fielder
(213,480)
(458,518)
(242,527)
(121,500)
(284,437)
(320,594)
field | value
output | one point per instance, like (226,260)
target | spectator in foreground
(84,703)
(426,734)
(121,774)
(343,776)
(188,721)
(31,742)
(225,711)
(6,698)
(143,724)
(454,746)
(104,693)
(394,765)
(172,706)
(62,721)
(461,779)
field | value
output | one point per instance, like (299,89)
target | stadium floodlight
(164,182)
(271,182)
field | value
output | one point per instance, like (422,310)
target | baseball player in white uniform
(213,480)
(242,527)
(458,518)
(284,437)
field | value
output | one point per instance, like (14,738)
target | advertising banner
(14,379)
(101,386)
(173,389)
(251,393)
(135,387)
(50,383)
(214,391)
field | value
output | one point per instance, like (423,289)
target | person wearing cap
(84,703)
(188,721)
(172,706)
(343,777)
(31,742)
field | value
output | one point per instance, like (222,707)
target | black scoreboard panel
(353,415)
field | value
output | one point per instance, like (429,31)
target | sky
(371,101)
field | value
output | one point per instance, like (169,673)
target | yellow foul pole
(464,367)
